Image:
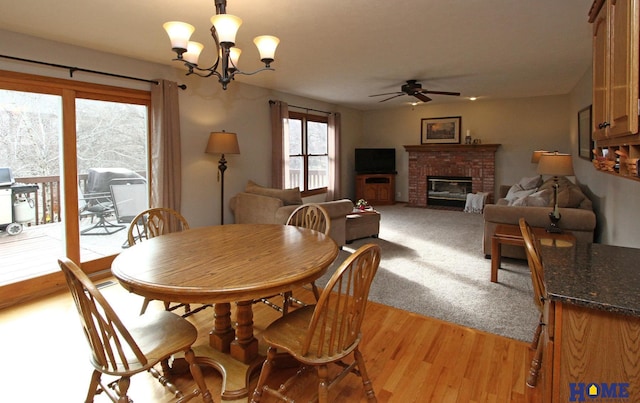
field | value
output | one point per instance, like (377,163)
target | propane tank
(23,210)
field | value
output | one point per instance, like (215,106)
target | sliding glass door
(73,148)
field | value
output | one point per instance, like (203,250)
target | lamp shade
(179,33)
(555,164)
(227,26)
(193,52)
(266,45)
(223,143)
(535,157)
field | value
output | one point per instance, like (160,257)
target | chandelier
(223,30)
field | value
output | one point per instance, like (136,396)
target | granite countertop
(596,276)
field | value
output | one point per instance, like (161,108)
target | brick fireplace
(476,161)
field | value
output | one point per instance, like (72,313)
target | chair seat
(159,335)
(288,333)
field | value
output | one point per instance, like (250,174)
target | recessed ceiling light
(472,98)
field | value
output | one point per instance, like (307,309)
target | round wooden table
(222,264)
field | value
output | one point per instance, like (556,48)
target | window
(308,160)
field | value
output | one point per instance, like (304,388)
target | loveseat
(533,199)
(263,205)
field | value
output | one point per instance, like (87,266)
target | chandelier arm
(254,72)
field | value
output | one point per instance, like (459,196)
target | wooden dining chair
(311,216)
(122,351)
(154,222)
(325,333)
(539,295)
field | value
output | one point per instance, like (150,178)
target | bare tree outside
(109,134)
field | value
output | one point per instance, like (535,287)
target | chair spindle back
(113,349)
(334,329)
(311,216)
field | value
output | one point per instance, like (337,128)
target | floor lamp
(222,143)
(555,164)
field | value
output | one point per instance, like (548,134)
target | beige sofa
(575,208)
(262,205)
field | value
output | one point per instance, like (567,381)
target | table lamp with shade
(222,143)
(555,164)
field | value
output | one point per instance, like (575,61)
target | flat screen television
(375,160)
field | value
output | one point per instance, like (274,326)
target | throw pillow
(538,199)
(288,196)
(531,182)
(517,192)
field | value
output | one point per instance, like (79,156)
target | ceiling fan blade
(440,92)
(388,93)
(422,97)
(395,96)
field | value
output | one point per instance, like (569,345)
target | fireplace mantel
(451,147)
(476,161)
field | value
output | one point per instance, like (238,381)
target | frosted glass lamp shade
(193,52)
(227,26)
(179,33)
(234,55)
(266,45)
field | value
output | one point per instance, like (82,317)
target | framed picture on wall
(585,142)
(440,130)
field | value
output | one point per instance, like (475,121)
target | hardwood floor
(410,358)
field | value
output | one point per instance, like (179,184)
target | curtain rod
(74,69)
(271,101)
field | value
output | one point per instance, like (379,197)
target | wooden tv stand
(376,189)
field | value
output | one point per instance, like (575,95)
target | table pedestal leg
(245,347)
(222,334)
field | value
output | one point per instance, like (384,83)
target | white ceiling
(342,51)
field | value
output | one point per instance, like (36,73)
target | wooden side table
(509,234)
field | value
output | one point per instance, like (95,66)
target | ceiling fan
(414,88)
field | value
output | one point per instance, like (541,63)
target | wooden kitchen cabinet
(615,68)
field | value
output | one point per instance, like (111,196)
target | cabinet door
(600,70)
(383,193)
(623,103)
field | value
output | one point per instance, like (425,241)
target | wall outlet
(398,195)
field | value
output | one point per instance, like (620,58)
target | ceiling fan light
(193,52)
(179,33)
(227,26)
(266,45)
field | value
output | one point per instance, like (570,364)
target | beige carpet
(433,264)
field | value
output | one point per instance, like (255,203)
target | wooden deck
(35,250)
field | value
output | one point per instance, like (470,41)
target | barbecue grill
(12,198)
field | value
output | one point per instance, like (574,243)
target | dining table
(220,265)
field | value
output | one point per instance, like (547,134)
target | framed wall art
(440,130)
(585,141)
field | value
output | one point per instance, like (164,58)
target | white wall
(204,107)
(520,125)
